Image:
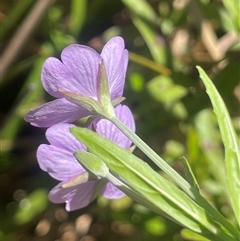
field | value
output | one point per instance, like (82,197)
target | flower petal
(111,192)
(77,72)
(75,197)
(59,163)
(115,58)
(53,112)
(110,131)
(54,75)
(60,136)
(83,63)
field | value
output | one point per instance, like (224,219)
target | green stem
(154,157)
(182,183)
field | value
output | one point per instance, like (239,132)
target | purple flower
(58,160)
(78,72)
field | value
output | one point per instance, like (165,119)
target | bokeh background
(166,40)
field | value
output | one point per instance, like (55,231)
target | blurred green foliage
(167,39)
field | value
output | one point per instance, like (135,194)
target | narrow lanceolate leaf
(232,154)
(190,177)
(182,183)
(155,189)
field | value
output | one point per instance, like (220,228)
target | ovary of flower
(78,73)
(76,188)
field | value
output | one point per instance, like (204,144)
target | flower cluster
(79,74)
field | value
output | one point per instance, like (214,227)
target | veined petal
(125,115)
(77,72)
(111,192)
(115,58)
(110,131)
(54,75)
(59,163)
(53,112)
(60,136)
(75,197)
(83,62)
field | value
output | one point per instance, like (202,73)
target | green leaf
(211,145)
(181,182)
(99,170)
(170,201)
(191,236)
(232,155)
(189,173)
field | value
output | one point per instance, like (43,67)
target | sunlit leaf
(210,144)
(189,173)
(155,189)
(232,150)
(189,235)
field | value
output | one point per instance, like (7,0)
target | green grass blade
(190,177)
(229,137)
